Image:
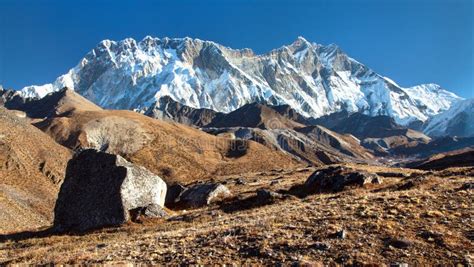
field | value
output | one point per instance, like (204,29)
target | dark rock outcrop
(173,194)
(336,179)
(102,189)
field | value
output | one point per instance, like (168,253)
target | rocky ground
(414,217)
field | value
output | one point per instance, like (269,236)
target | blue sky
(410,41)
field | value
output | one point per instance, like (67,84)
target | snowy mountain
(313,79)
(456,121)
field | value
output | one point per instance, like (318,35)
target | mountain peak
(300,42)
(314,80)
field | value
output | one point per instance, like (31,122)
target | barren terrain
(413,217)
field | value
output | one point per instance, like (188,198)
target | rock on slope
(32,166)
(313,79)
(102,189)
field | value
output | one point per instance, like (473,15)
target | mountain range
(153,137)
(313,79)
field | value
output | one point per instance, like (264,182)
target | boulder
(173,194)
(102,189)
(204,194)
(267,196)
(336,179)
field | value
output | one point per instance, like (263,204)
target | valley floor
(422,218)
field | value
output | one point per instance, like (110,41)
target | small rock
(467,186)
(432,237)
(264,195)
(274,182)
(240,181)
(204,194)
(341,234)
(321,246)
(399,243)
(392,174)
(155,211)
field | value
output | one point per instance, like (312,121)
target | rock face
(102,189)
(313,144)
(204,194)
(168,109)
(335,179)
(254,115)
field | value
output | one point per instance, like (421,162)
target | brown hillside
(175,151)
(31,168)
(54,104)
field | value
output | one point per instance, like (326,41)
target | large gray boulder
(204,194)
(102,189)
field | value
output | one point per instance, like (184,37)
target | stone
(336,179)
(155,211)
(321,246)
(265,196)
(173,193)
(392,174)
(467,186)
(399,243)
(274,182)
(341,234)
(102,189)
(432,236)
(240,181)
(204,194)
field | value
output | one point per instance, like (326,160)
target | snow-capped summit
(313,79)
(456,121)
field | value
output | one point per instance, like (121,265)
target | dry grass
(433,218)
(32,166)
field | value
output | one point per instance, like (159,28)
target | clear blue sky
(410,41)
